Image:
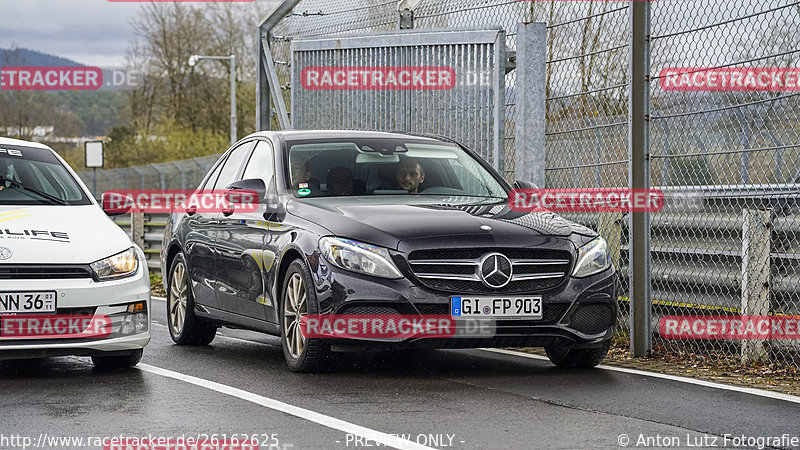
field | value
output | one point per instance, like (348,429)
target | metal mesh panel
(728,242)
(459,103)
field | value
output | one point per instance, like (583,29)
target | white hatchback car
(71,280)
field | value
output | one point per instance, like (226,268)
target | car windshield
(357,167)
(33,176)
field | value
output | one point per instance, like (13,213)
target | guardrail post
(609,225)
(639,177)
(137,228)
(756,246)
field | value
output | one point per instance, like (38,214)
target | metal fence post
(141,175)
(265,96)
(529,141)
(162,180)
(499,153)
(405,10)
(756,245)
(639,176)
(263,100)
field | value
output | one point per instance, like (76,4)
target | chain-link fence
(185,174)
(736,249)
(728,161)
(586,79)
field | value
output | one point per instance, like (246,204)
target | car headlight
(121,265)
(593,258)
(359,257)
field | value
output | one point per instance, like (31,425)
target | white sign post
(93,159)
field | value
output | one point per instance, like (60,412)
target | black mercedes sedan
(380,228)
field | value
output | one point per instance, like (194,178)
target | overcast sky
(91,32)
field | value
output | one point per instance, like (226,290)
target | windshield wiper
(50,197)
(466,195)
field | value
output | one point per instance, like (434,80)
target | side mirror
(525,185)
(116,203)
(255,186)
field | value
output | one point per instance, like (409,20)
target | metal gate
(446,82)
(452,82)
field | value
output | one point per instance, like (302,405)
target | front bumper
(84,297)
(580,313)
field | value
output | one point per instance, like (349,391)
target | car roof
(322,134)
(20,143)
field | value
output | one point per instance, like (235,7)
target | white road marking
(710,384)
(321,419)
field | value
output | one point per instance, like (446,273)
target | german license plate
(27,302)
(486,307)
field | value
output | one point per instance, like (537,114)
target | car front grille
(458,270)
(42,272)
(369,310)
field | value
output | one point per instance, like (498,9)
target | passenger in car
(340,181)
(410,175)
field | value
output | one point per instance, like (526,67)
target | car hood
(389,222)
(58,235)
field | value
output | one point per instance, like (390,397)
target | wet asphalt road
(438,399)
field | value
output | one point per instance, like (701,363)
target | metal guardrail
(729,266)
(149,236)
(705,273)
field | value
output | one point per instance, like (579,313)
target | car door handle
(227,211)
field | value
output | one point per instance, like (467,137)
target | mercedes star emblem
(496,270)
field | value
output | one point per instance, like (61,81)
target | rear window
(34,176)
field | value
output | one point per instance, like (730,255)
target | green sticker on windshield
(304,192)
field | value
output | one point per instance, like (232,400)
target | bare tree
(21,111)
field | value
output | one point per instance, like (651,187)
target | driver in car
(301,176)
(409,175)
(340,181)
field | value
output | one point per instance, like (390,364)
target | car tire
(575,358)
(302,354)
(185,327)
(129,359)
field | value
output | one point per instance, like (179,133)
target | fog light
(128,326)
(140,323)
